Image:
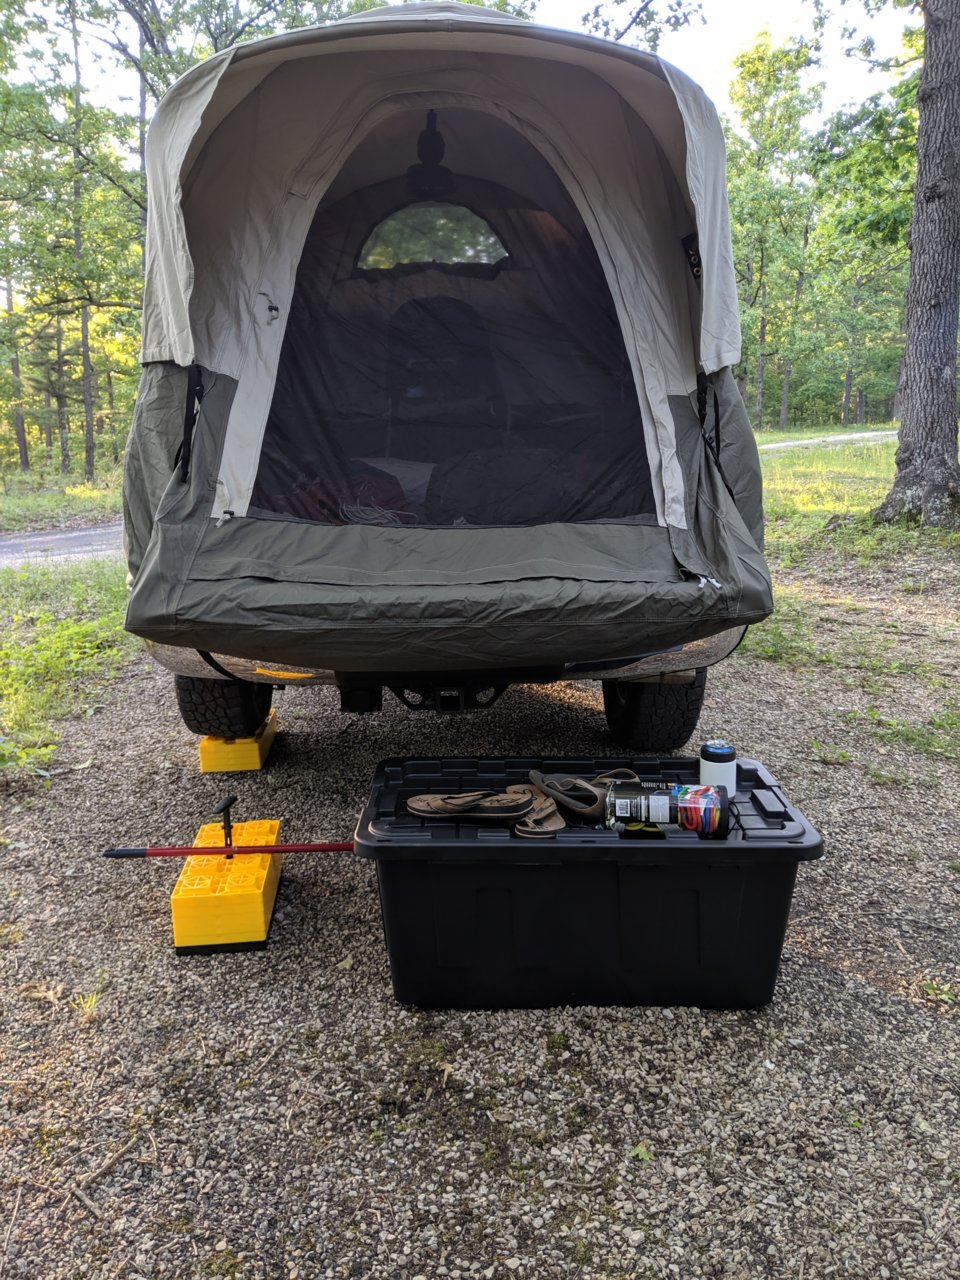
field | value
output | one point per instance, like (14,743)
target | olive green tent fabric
(359,598)
(246,151)
(151,453)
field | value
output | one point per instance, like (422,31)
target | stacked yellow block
(237,755)
(224,903)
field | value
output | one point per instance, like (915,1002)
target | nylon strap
(211,661)
(190,414)
(713,444)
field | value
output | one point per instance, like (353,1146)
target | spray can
(718,765)
(705,810)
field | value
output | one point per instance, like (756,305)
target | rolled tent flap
(450,386)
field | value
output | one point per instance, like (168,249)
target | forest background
(820,206)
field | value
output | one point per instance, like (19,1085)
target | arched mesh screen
(484,385)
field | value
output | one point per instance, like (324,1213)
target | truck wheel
(653,717)
(224,708)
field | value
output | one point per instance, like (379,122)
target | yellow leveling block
(237,755)
(222,903)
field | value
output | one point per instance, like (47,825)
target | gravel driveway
(278,1115)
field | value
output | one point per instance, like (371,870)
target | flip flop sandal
(543,821)
(445,806)
(544,828)
(470,806)
(587,798)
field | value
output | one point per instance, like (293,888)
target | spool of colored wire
(704,810)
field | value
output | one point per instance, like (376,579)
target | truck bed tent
(455,296)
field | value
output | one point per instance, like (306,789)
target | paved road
(61,545)
(847,438)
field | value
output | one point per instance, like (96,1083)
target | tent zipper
(190,414)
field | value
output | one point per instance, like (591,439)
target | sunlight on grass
(822,499)
(849,479)
(38,501)
(62,636)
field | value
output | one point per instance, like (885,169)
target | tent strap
(713,444)
(190,414)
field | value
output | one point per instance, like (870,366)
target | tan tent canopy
(246,145)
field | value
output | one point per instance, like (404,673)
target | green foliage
(70,260)
(819,500)
(42,500)
(427,232)
(829,752)
(819,217)
(819,213)
(941,993)
(786,636)
(62,635)
(937,735)
(642,21)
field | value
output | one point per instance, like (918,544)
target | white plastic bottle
(718,765)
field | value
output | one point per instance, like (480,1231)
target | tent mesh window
(426,232)
(452,363)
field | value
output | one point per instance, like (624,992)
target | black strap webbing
(713,444)
(190,414)
(211,661)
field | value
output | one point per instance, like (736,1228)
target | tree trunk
(860,414)
(142,146)
(89,453)
(19,426)
(742,381)
(48,424)
(897,407)
(60,396)
(785,394)
(927,481)
(845,405)
(111,406)
(797,294)
(761,361)
(851,348)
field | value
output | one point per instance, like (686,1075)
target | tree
(772,202)
(68,225)
(927,481)
(617,19)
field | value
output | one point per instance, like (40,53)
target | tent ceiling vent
(429,180)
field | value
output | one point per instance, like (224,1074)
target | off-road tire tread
(653,717)
(224,708)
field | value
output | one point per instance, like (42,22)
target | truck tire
(224,708)
(653,717)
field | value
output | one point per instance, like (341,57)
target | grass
(43,501)
(822,500)
(938,735)
(62,637)
(829,753)
(819,504)
(796,635)
(87,1003)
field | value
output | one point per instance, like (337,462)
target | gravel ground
(278,1115)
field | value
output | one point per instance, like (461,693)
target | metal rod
(200,851)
